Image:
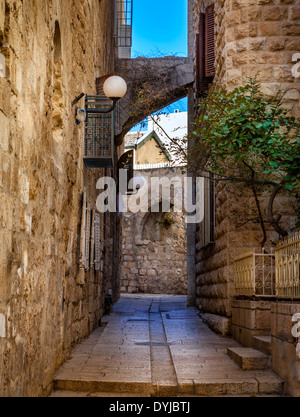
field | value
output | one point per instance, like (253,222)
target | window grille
(99,133)
(123,27)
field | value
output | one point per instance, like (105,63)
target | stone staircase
(249,359)
(253,358)
(257,359)
(263,344)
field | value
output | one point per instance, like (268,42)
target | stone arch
(57,100)
(161,80)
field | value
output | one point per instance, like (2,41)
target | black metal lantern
(99,132)
(99,123)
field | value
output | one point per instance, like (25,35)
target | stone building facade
(252,37)
(51,51)
(153,255)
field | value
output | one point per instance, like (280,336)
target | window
(205,51)
(123,28)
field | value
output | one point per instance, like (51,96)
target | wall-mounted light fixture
(99,122)
(80,114)
(114,88)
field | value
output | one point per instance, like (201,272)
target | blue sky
(160,29)
(159,26)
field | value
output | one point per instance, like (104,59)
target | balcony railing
(255,274)
(287,255)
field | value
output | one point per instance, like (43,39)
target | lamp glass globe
(115,87)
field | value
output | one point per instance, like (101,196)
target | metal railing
(138,167)
(255,274)
(287,262)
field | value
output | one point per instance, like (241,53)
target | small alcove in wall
(57,101)
(156,224)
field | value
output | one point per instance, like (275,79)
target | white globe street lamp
(115,87)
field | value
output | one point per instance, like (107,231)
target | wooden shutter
(97,241)
(202,82)
(210,41)
(205,51)
(87,236)
(82,261)
(209,212)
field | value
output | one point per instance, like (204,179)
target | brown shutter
(202,84)
(205,51)
(210,41)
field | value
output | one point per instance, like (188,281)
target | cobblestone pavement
(153,345)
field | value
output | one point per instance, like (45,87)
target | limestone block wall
(251,37)
(54,50)
(154,253)
(285,360)
(250,318)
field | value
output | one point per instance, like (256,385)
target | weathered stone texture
(285,361)
(251,37)
(41,182)
(250,318)
(154,251)
(169,79)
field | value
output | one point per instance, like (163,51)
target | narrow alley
(150,199)
(153,345)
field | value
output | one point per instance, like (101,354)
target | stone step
(249,358)
(267,384)
(263,344)
(92,384)
(260,385)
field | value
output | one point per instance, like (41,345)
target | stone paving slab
(155,345)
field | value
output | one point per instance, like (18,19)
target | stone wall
(285,360)
(154,250)
(54,50)
(251,37)
(250,318)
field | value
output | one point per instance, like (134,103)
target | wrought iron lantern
(99,123)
